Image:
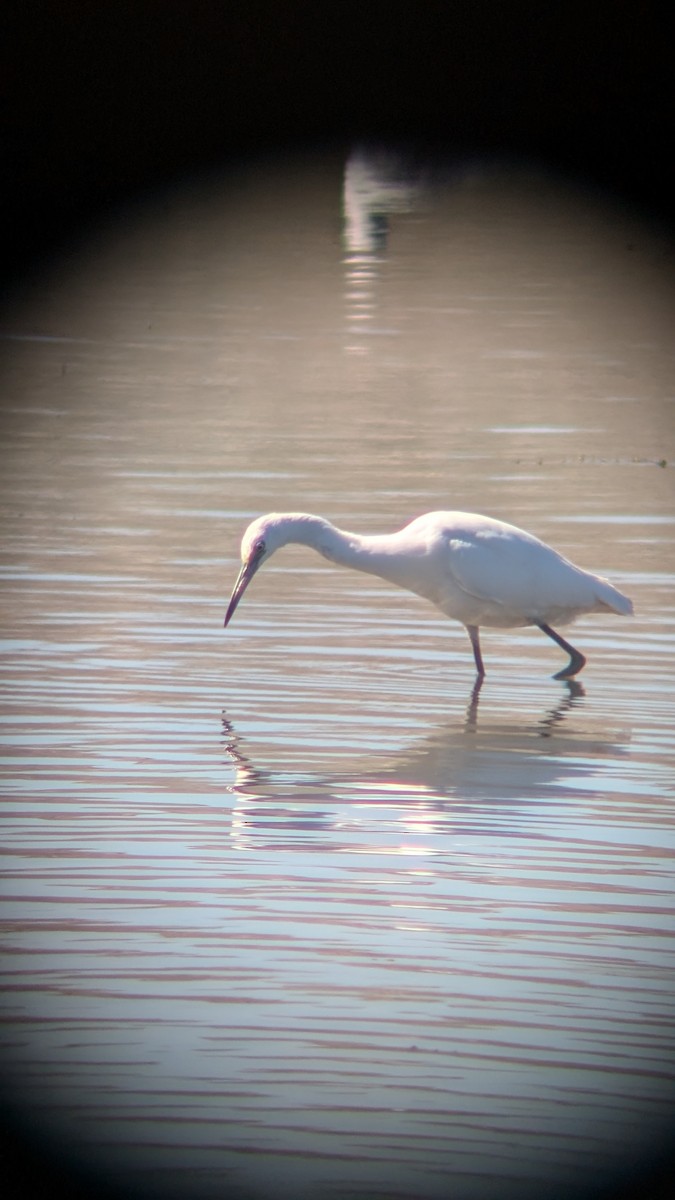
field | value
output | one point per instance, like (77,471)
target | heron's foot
(577,660)
(575,665)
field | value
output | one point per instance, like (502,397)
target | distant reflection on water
(374,932)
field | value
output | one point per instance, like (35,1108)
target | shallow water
(291,907)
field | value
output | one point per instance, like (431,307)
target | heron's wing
(515,572)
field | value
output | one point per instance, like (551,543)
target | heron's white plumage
(475,569)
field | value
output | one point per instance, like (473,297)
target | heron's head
(260,540)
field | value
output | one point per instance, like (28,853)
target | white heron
(475,569)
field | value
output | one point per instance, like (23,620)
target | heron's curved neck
(335,544)
(372,554)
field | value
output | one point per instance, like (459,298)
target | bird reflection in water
(573,691)
(449,774)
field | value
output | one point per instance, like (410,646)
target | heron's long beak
(244,577)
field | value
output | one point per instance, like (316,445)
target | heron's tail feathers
(612,599)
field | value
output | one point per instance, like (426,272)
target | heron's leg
(473,633)
(577,660)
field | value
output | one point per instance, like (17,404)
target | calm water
(288,909)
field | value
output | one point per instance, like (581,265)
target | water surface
(290,907)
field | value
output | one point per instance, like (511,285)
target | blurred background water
(288,908)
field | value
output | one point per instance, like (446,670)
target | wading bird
(475,569)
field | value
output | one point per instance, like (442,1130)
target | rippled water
(290,908)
